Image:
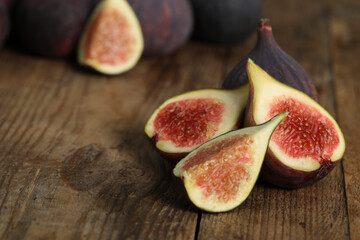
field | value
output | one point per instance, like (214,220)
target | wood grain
(75,162)
(314,212)
(345,46)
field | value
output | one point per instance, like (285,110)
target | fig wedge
(220,174)
(112,41)
(186,121)
(307,145)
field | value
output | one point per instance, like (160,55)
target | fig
(112,41)
(269,56)
(50,28)
(226,21)
(220,174)
(166,24)
(186,121)
(4,24)
(9,4)
(307,145)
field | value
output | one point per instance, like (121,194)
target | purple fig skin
(215,20)
(10,4)
(50,28)
(270,57)
(275,172)
(166,24)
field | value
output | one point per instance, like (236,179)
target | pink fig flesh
(186,121)
(307,145)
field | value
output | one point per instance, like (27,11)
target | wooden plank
(345,46)
(75,162)
(314,212)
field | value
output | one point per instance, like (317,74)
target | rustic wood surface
(75,162)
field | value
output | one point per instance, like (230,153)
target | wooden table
(75,162)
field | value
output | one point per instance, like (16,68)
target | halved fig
(220,174)
(112,41)
(307,145)
(186,121)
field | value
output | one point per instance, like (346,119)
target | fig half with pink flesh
(220,174)
(112,41)
(307,145)
(186,121)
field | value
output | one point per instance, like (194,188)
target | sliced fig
(269,56)
(307,145)
(186,121)
(112,41)
(220,174)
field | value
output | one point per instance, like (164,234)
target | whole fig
(50,28)
(226,21)
(166,24)
(270,57)
(4,24)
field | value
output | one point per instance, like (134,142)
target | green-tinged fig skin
(166,24)
(4,24)
(277,63)
(215,20)
(50,28)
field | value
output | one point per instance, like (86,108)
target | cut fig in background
(220,174)
(269,56)
(186,121)
(112,41)
(307,145)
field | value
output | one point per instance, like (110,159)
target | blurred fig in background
(9,4)
(52,27)
(166,24)
(112,41)
(4,24)
(225,21)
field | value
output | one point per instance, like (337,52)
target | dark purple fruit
(270,57)
(166,24)
(52,27)
(4,24)
(225,21)
(9,4)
